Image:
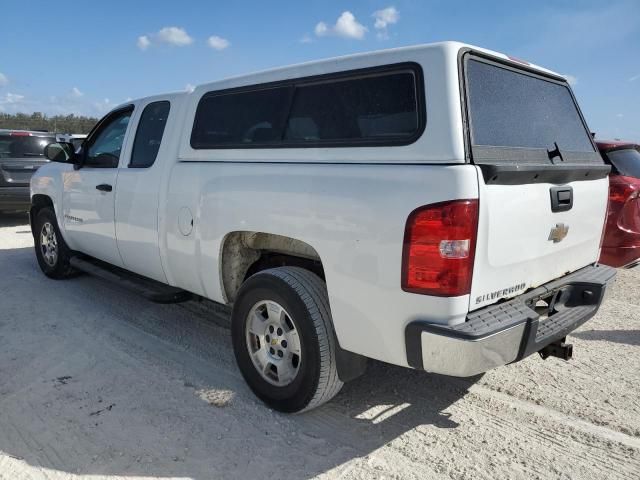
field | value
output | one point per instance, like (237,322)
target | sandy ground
(96,382)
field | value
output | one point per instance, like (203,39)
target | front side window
(149,134)
(510,108)
(106,144)
(381,106)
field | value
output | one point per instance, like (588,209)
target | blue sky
(86,57)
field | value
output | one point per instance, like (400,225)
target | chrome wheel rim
(49,244)
(273,343)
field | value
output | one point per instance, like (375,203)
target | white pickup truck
(438,207)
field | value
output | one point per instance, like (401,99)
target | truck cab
(438,207)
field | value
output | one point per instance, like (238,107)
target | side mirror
(61,152)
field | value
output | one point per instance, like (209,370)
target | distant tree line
(39,121)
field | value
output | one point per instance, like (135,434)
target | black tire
(304,296)
(60,268)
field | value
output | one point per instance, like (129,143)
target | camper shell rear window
(519,116)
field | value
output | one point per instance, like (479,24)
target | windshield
(509,108)
(23,146)
(626,162)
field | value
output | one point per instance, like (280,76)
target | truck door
(138,193)
(88,196)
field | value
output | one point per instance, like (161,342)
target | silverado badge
(558,232)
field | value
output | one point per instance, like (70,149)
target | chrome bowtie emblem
(558,232)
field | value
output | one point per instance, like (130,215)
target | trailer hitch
(557,349)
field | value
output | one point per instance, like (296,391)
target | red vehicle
(621,239)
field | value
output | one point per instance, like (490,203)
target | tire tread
(313,292)
(63,269)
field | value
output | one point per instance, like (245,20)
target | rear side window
(381,106)
(149,134)
(626,162)
(20,145)
(509,108)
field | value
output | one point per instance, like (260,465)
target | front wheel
(51,250)
(283,339)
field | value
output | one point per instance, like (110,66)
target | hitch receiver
(557,349)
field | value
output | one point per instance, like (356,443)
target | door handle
(103,187)
(561,199)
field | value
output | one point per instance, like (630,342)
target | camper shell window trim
(414,68)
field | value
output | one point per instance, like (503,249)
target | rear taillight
(624,203)
(624,189)
(439,247)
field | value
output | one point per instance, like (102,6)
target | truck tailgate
(542,183)
(522,244)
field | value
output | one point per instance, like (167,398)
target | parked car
(74,139)
(21,154)
(621,239)
(77,139)
(438,207)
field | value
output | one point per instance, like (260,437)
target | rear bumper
(509,331)
(15,198)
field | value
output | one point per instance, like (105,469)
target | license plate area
(553,302)
(545,305)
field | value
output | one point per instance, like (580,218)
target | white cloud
(321,29)
(306,38)
(218,43)
(174,36)
(143,42)
(61,104)
(99,108)
(619,115)
(189,88)
(11,103)
(10,98)
(632,79)
(573,81)
(76,93)
(346,26)
(384,18)
(4,81)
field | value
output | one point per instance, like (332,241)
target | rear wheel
(51,250)
(283,339)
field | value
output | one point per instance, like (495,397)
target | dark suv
(21,154)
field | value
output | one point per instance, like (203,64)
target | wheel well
(246,253)
(38,202)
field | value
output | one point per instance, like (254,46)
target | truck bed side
(352,215)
